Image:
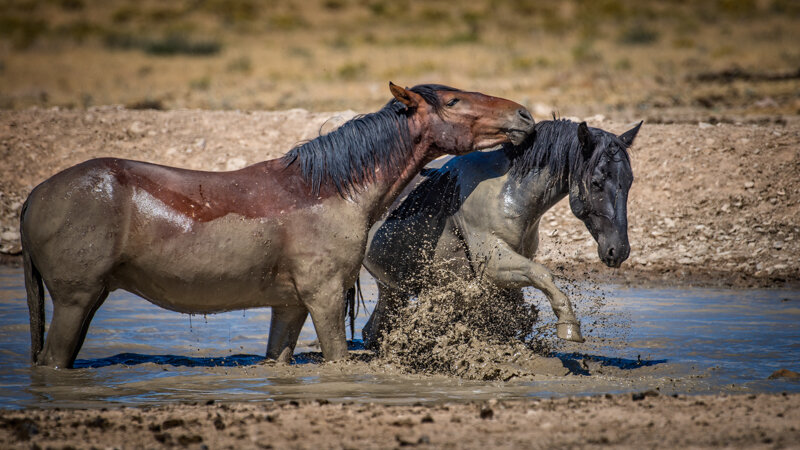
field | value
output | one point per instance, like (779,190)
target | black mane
(349,156)
(555,147)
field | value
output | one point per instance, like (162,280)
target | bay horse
(288,233)
(478,217)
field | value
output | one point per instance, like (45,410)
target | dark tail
(35,291)
(355,298)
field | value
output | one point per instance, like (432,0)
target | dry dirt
(643,420)
(712,204)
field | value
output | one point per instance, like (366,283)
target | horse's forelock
(608,146)
(428,93)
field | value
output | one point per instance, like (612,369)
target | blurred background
(659,60)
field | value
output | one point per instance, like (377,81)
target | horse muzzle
(614,254)
(520,127)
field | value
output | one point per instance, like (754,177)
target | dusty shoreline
(628,421)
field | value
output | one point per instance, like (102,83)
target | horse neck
(386,187)
(535,193)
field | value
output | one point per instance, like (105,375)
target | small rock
(172,423)
(98,422)
(235,163)
(704,125)
(766,102)
(219,424)
(637,396)
(9,236)
(22,429)
(403,422)
(784,373)
(749,184)
(486,413)
(136,128)
(777,245)
(188,439)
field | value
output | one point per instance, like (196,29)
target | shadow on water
(576,363)
(240,360)
(134,359)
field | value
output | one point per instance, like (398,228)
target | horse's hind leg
(380,322)
(72,314)
(284,329)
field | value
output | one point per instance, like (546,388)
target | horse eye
(452,103)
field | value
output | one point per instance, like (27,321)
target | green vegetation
(322,53)
(171,44)
(638,34)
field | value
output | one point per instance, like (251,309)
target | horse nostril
(611,252)
(525,114)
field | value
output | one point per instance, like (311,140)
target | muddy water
(673,340)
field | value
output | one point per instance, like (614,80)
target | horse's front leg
(507,268)
(326,304)
(284,329)
(390,300)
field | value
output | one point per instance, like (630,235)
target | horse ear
(404,96)
(628,136)
(586,139)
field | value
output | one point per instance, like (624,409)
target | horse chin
(517,137)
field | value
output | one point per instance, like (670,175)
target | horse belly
(226,264)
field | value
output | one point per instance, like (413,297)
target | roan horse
(478,217)
(289,233)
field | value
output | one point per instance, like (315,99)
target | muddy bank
(712,204)
(640,420)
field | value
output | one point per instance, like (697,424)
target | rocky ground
(642,420)
(715,202)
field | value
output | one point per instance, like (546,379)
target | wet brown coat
(204,242)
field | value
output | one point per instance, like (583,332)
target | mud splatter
(467,330)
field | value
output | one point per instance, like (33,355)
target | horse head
(457,122)
(598,194)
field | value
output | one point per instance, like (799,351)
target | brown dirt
(644,420)
(711,204)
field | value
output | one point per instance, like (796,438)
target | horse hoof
(569,332)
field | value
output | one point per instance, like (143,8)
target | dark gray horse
(289,233)
(478,216)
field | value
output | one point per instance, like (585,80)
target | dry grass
(601,56)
